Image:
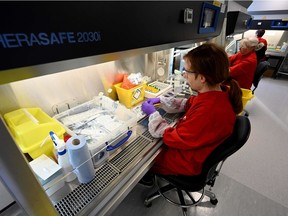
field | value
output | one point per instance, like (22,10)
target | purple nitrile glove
(153,100)
(148,108)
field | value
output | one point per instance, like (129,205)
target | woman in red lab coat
(208,119)
(243,64)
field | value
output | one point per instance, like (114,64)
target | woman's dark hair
(260,32)
(212,62)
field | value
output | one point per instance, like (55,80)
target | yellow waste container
(131,96)
(30,128)
(246,96)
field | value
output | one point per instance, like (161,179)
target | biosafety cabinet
(56,55)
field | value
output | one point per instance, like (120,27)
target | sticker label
(137,94)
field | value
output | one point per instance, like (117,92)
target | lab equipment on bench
(156,88)
(105,124)
(48,173)
(80,158)
(30,128)
(130,97)
(177,82)
(63,157)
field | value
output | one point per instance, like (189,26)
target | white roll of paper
(80,158)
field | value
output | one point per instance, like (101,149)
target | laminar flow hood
(38,38)
(237,22)
(57,36)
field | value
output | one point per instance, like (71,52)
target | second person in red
(243,64)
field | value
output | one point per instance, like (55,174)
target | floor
(252,181)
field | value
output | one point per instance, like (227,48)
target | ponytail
(235,95)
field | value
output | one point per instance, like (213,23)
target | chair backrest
(233,143)
(260,69)
(260,51)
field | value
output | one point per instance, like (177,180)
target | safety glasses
(189,71)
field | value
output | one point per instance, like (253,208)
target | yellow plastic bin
(30,127)
(131,96)
(246,96)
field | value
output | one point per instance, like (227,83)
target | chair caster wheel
(147,204)
(214,201)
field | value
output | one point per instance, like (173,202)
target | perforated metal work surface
(148,135)
(81,196)
(127,155)
(171,117)
(73,203)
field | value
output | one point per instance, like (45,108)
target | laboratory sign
(39,32)
(17,40)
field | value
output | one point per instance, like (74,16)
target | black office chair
(211,168)
(261,68)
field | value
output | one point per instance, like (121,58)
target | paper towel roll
(80,158)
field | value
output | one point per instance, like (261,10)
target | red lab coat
(208,121)
(262,40)
(242,68)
